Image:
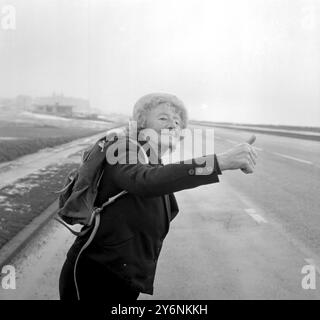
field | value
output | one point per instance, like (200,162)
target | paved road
(247,237)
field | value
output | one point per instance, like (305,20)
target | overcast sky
(252,61)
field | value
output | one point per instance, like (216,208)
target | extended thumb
(252,139)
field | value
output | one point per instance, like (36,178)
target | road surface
(247,237)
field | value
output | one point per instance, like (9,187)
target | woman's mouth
(169,133)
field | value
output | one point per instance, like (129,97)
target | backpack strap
(112,199)
(96,216)
(93,233)
(97,210)
(76,233)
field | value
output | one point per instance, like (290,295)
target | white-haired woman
(121,260)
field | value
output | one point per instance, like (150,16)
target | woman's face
(163,117)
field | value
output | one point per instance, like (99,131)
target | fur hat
(152,100)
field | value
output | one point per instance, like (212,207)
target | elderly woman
(121,260)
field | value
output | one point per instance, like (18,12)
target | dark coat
(132,229)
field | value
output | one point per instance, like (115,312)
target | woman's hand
(243,156)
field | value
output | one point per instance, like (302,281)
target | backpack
(76,201)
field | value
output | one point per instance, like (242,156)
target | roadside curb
(20,240)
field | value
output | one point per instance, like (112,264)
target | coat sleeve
(149,180)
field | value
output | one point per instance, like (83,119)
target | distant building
(60,110)
(56,104)
(19,103)
(79,105)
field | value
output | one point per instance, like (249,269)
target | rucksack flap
(77,198)
(73,208)
(66,191)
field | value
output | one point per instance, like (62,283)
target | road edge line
(20,240)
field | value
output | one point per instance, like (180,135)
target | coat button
(199,170)
(191,172)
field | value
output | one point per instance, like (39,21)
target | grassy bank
(24,200)
(17,140)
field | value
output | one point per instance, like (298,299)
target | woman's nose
(171,124)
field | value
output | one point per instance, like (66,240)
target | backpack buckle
(96,211)
(102,144)
(93,214)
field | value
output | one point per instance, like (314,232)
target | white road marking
(292,158)
(255,216)
(312,263)
(259,149)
